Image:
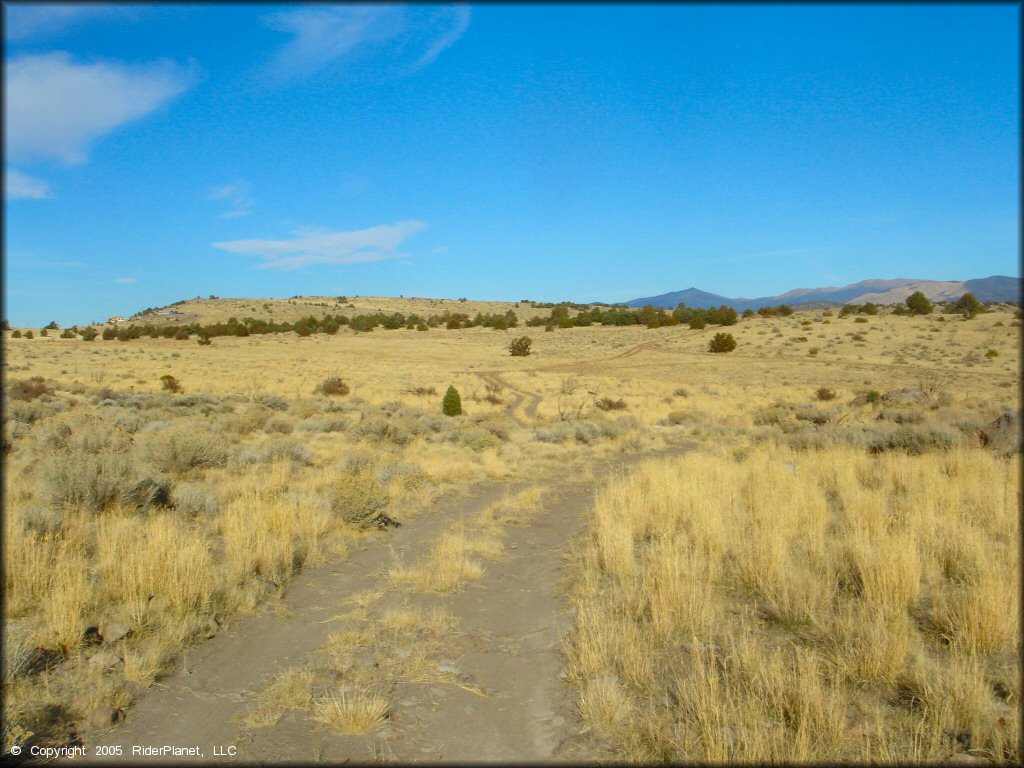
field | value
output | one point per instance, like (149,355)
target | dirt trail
(511,705)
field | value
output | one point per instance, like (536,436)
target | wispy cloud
(458,23)
(238,198)
(126,280)
(34,21)
(55,108)
(21,186)
(324,246)
(403,37)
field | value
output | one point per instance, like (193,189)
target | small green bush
(16,334)
(722,342)
(520,347)
(697,323)
(992,353)
(873,396)
(860,319)
(452,403)
(918,304)
(170,384)
(29,335)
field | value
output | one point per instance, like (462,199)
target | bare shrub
(608,404)
(359,499)
(28,389)
(170,384)
(279,424)
(421,391)
(180,449)
(332,385)
(96,481)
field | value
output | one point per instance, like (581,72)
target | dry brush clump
(803,606)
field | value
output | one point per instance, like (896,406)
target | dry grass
(351,712)
(822,605)
(457,554)
(125,502)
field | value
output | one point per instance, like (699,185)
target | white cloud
(54,107)
(237,195)
(126,280)
(459,23)
(27,22)
(404,37)
(324,246)
(21,186)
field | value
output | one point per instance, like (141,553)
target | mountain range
(994,288)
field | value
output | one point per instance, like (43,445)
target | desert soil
(507,700)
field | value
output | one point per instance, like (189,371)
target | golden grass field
(814,580)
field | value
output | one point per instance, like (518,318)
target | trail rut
(508,701)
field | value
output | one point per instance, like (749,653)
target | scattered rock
(408,702)
(211,627)
(859,400)
(447,668)
(111,633)
(964,757)
(323,678)
(903,396)
(857,725)
(1003,435)
(403,653)
(106,659)
(558,721)
(104,717)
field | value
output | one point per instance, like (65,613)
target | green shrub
(860,319)
(29,335)
(918,304)
(722,342)
(204,341)
(824,393)
(697,323)
(90,333)
(16,334)
(873,396)
(170,384)
(992,353)
(452,403)
(520,347)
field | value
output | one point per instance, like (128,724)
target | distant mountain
(995,288)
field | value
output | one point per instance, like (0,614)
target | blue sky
(159,152)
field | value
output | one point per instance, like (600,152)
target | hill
(995,288)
